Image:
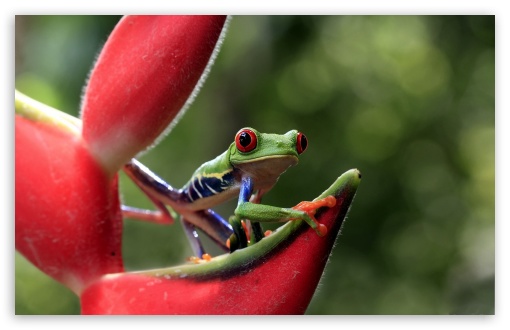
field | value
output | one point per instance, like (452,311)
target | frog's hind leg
(193,239)
(162,194)
(162,216)
(154,188)
(209,223)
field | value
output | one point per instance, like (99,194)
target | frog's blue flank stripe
(206,186)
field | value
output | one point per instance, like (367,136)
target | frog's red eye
(246,140)
(302,143)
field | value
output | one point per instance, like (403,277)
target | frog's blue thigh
(211,224)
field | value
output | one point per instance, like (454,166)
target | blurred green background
(408,100)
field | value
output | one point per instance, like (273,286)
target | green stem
(39,112)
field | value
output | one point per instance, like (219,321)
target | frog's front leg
(192,235)
(255,232)
(265,213)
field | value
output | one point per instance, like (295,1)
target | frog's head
(265,157)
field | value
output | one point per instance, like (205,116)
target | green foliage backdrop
(408,100)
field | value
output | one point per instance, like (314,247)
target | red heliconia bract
(68,218)
(142,79)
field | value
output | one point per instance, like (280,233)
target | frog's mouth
(266,170)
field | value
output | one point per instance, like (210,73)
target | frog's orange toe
(330,201)
(323,230)
(311,207)
(194,260)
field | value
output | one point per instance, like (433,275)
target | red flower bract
(145,73)
(68,220)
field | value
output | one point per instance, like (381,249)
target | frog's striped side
(213,183)
(208,185)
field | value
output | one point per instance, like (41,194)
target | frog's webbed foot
(197,260)
(310,208)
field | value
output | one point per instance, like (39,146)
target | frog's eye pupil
(302,143)
(246,140)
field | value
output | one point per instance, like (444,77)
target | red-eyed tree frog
(248,169)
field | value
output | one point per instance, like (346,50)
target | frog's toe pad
(311,207)
(323,230)
(196,260)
